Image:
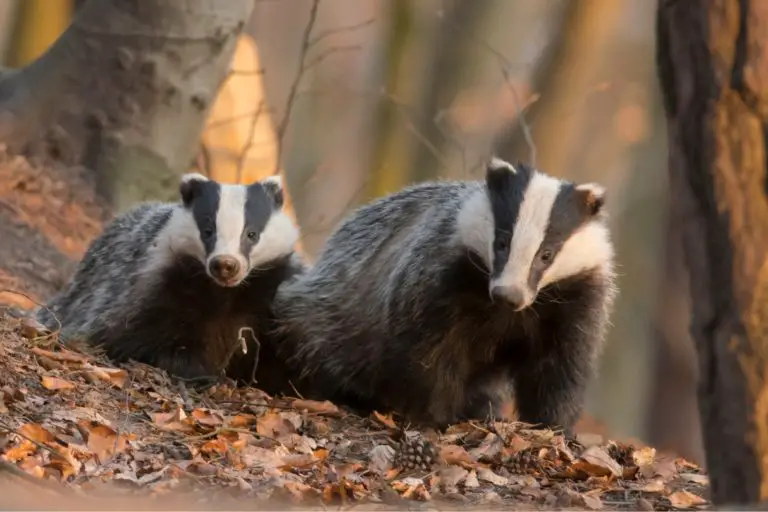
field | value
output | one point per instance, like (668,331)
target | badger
(180,285)
(442,300)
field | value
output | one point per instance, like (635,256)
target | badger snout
(519,298)
(225,270)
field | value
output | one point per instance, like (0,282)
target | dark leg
(551,391)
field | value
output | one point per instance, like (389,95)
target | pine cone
(525,461)
(414,452)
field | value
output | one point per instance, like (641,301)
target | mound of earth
(77,427)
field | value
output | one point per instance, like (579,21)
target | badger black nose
(224,267)
(511,294)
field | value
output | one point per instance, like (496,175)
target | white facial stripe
(179,236)
(193,176)
(497,163)
(594,188)
(230,222)
(530,228)
(278,239)
(475,226)
(277,180)
(588,248)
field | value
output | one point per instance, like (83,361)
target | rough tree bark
(124,91)
(713,68)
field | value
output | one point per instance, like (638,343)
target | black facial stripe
(506,191)
(258,208)
(205,205)
(567,216)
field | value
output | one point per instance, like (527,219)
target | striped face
(241,226)
(544,230)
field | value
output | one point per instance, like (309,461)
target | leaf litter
(71,418)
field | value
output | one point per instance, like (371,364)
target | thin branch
(333,31)
(249,141)
(505,66)
(305,44)
(331,51)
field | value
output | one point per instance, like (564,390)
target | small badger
(172,284)
(433,301)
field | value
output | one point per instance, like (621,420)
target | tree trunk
(125,91)
(714,75)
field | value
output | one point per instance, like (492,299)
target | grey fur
(141,297)
(395,315)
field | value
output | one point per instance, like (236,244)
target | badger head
(241,227)
(543,230)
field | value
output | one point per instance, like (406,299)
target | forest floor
(78,433)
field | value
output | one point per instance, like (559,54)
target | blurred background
(352,99)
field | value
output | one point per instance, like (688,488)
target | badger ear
(189,186)
(274,187)
(592,197)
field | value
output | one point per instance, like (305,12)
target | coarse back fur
(432,301)
(172,284)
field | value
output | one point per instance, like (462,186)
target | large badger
(172,284)
(437,301)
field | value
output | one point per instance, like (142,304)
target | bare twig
(305,45)
(505,66)
(334,31)
(248,142)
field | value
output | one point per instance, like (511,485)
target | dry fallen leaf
(385,419)
(695,478)
(115,376)
(381,457)
(273,424)
(176,420)
(66,356)
(207,418)
(327,408)
(685,499)
(104,442)
(487,475)
(35,432)
(31,328)
(55,383)
(595,461)
(453,454)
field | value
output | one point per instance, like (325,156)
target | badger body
(172,284)
(440,301)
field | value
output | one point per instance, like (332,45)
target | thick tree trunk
(125,91)
(713,68)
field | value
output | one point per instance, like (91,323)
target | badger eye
(252,235)
(546,256)
(208,231)
(501,244)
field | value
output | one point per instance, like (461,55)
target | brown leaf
(104,442)
(115,376)
(31,328)
(595,461)
(66,356)
(297,461)
(453,454)
(685,499)
(385,419)
(487,475)
(23,450)
(55,383)
(207,418)
(654,486)
(326,408)
(695,478)
(272,424)
(176,420)
(35,432)
(243,421)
